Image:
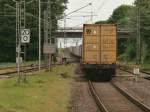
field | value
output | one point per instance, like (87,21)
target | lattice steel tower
(49,41)
(20,24)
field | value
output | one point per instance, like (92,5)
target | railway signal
(25,36)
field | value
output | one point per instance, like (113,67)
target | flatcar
(99,50)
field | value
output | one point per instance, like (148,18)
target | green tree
(7,27)
(144,6)
(124,17)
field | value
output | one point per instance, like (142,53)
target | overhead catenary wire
(84,12)
(78,9)
(78,25)
(27,13)
(103,3)
(82,15)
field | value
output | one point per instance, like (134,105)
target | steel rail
(11,74)
(98,101)
(14,67)
(127,67)
(125,70)
(34,68)
(131,98)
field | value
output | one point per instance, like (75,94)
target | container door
(108,44)
(91,44)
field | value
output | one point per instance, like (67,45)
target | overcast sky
(102,10)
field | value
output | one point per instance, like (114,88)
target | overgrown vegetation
(125,17)
(8,27)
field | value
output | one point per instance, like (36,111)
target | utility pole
(49,12)
(39,35)
(45,33)
(18,43)
(64,30)
(138,34)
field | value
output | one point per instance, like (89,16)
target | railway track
(147,77)
(25,69)
(111,98)
(97,99)
(125,69)
(13,69)
(128,69)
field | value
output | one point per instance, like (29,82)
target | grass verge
(46,92)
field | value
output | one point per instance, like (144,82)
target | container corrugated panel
(91,50)
(99,44)
(108,44)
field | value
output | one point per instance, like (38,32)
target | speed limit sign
(25,35)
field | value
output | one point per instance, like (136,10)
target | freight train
(98,51)
(76,51)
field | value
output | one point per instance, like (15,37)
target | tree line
(125,16)
(8,27)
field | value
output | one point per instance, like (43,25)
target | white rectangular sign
(49,49)
(25,36)
(136,71)
(17,60)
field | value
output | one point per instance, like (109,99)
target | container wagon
(76,51)
(99,50)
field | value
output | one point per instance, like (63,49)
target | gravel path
(81,98)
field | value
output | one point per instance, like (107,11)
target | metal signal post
(20,24)
(39,35)
(138,52)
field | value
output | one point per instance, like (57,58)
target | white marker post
(136,72)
